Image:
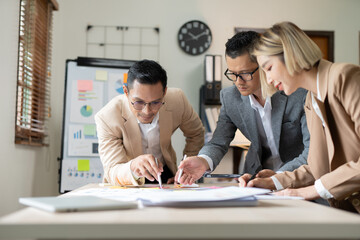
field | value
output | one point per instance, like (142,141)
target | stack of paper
(200,197)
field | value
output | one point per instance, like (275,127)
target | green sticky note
(83,165)
(89,130)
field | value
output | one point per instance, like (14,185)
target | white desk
(272,219)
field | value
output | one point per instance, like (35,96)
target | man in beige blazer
(135,129)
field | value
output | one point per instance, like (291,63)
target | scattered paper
(161,196)
(271,196)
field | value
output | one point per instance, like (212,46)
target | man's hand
(265,173)
(145,166)
(262,183)
(308,193)
(244,179)
(171,180)
(193,169)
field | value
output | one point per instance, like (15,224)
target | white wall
(26,171)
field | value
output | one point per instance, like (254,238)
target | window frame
(33,78)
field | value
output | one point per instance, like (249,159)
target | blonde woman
(291,60)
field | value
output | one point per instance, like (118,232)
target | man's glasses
(154,106)
(248,76)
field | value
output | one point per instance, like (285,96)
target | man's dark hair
(146,72)
(241,43)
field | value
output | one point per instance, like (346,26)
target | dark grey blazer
(289,127)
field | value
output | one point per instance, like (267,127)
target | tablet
(76,203)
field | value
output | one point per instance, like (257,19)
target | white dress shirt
(265,131)
(320,189)
(150,139)
(266,134)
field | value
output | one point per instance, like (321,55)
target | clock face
(194,37)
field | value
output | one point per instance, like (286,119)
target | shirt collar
(256,105)
(318,87)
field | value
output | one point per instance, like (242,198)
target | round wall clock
(194,37)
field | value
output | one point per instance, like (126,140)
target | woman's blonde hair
(292,45)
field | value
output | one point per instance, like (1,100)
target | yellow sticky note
(83,165)
(101,75)
(89,130)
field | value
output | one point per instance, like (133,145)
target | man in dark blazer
(276,126)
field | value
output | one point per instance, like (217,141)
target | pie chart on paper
(119,86)
(86,111)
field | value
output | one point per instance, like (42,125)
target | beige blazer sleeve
(344,97)
(116,162)
(334,155)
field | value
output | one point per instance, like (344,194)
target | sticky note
(125,78)
(90,130)
(84,85)
(83,165)
(101,75)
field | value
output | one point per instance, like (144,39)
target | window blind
(34,61)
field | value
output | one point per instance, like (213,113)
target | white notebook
(76,203)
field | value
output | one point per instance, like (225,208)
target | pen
(181,170)
(256,172)
(158,175)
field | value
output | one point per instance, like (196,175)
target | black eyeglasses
(248,76)
(154,106)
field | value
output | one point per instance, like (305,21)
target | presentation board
(90,83)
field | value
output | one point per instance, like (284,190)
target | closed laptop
(76,203)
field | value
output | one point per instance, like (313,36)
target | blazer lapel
(323,69)
(318,151)
(249,119)
(278,103)
(329,141)
(166,130)
(132,129)
(165,123)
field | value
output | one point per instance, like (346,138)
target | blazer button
(355,202)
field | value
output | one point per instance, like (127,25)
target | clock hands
(195,37)
(192,36)
(199,35)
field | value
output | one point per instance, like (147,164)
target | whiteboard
(90,83)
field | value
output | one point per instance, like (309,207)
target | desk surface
(271,219)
